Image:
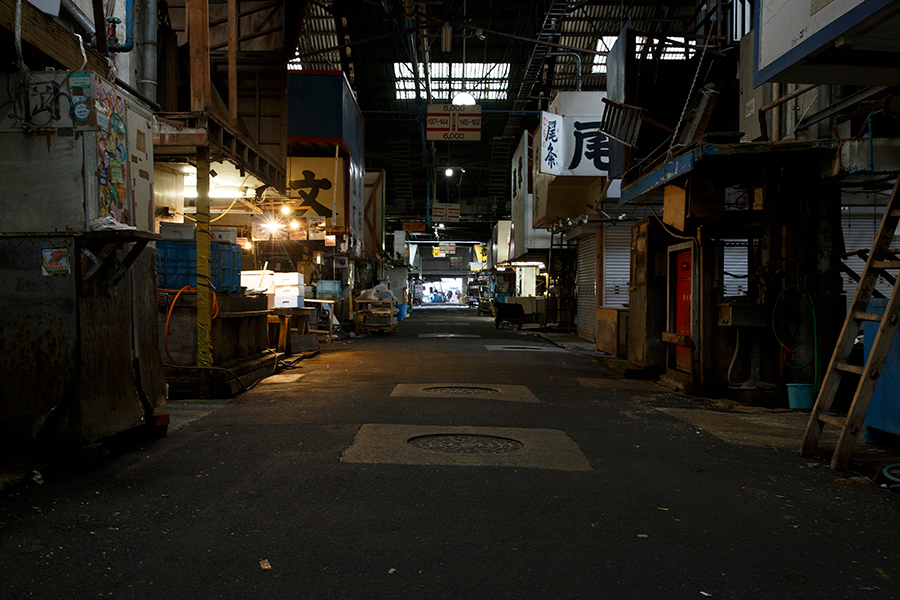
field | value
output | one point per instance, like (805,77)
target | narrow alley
(451,460)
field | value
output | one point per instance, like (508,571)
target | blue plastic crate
(228,278)
(328,286)
(176,263)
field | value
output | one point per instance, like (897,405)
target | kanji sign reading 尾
(453,122)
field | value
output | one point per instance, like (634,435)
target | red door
(683,308)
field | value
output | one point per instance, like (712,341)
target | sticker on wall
(54,261)
(81,109)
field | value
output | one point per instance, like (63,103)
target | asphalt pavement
(450,460)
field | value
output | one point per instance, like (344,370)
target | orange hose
(215,313)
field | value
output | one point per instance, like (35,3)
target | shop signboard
(453,122)
(572,145)
(445,211)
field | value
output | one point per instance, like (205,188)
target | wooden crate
(612,330)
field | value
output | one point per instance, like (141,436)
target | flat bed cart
(513,313)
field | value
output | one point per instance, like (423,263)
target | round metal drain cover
(466,444)
(461,390)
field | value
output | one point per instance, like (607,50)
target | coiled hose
(815,358)
(895,486)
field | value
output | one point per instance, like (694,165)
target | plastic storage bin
(328,289)
(176,263)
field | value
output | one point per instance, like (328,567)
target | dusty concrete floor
(331,486)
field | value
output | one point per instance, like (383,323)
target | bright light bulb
(440,225)
(448,172)
(464,98)
(272,226)
(285,209)
(295,224)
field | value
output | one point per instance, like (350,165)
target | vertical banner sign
(552,140)
(573,145)
(453,122)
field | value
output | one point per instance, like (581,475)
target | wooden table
(284,317)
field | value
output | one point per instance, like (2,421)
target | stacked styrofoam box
(259,280)
(223,234)
(177,231)
(289,290)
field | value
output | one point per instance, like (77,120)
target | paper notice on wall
(55,261)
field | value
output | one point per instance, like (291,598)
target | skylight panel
(485,81)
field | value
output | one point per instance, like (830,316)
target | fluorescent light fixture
(221,192)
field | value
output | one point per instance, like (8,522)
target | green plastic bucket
(800,396)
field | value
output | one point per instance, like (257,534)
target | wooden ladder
(879,261)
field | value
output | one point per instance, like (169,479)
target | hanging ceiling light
(463,99)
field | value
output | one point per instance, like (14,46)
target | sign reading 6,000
(453,136)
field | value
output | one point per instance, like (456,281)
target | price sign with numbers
(453,122)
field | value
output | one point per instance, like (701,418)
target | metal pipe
(775,103)
(81,19)
(788,97)
(776,115)
(128,46)
(824,101)
(150,52)
(577,62)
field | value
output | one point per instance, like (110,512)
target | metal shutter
(860,225)
(586,285)
(616,263)
(735,262)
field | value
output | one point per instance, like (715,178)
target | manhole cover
(461,390)
(466,444)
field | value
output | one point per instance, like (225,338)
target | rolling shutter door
(735,262)
(586,284)
(860,225)
(616,263)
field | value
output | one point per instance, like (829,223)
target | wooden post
(204,312)
(198,42)
(233,34)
